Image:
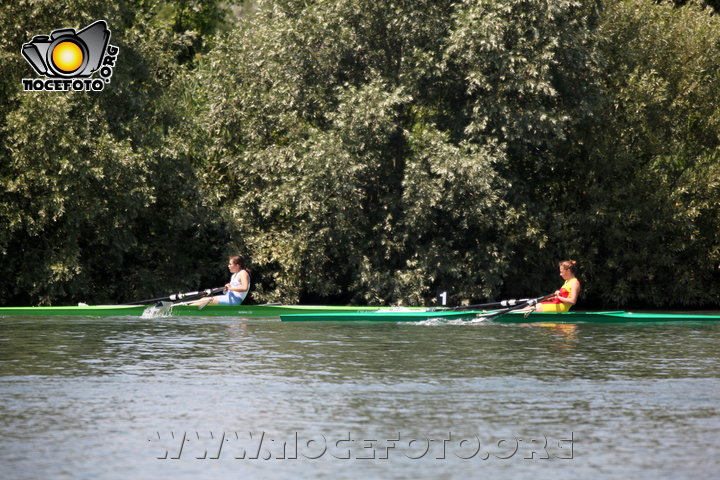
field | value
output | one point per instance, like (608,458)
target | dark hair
(238,260)
(569,265)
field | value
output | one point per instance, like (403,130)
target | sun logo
(67,57)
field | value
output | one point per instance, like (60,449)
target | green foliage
(359,154)
(528,71)
(362,151)
(90,207)
(655,157)
(58,201)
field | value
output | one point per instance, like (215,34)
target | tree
(358,146)
(655,157)
(90,207)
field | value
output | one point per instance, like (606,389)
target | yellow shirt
(555,305)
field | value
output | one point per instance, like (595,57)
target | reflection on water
(102,398)
(564,334)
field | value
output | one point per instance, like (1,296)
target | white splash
(161,310)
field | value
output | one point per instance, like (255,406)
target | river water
(187,398)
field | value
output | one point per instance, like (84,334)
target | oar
(527,303)
(502,303)
(179,296)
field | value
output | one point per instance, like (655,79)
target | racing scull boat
(242,311)
(325,313)
(509,317)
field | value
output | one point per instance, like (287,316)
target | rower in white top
(235,291)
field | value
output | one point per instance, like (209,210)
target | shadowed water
(178,398)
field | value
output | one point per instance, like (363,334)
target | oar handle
(180,296)
(513,302)
(527,303)
(501,303)
(200,293)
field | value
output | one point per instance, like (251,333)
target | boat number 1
(443,298)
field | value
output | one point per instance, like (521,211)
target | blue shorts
(229,299)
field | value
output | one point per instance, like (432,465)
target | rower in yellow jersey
(567,296)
